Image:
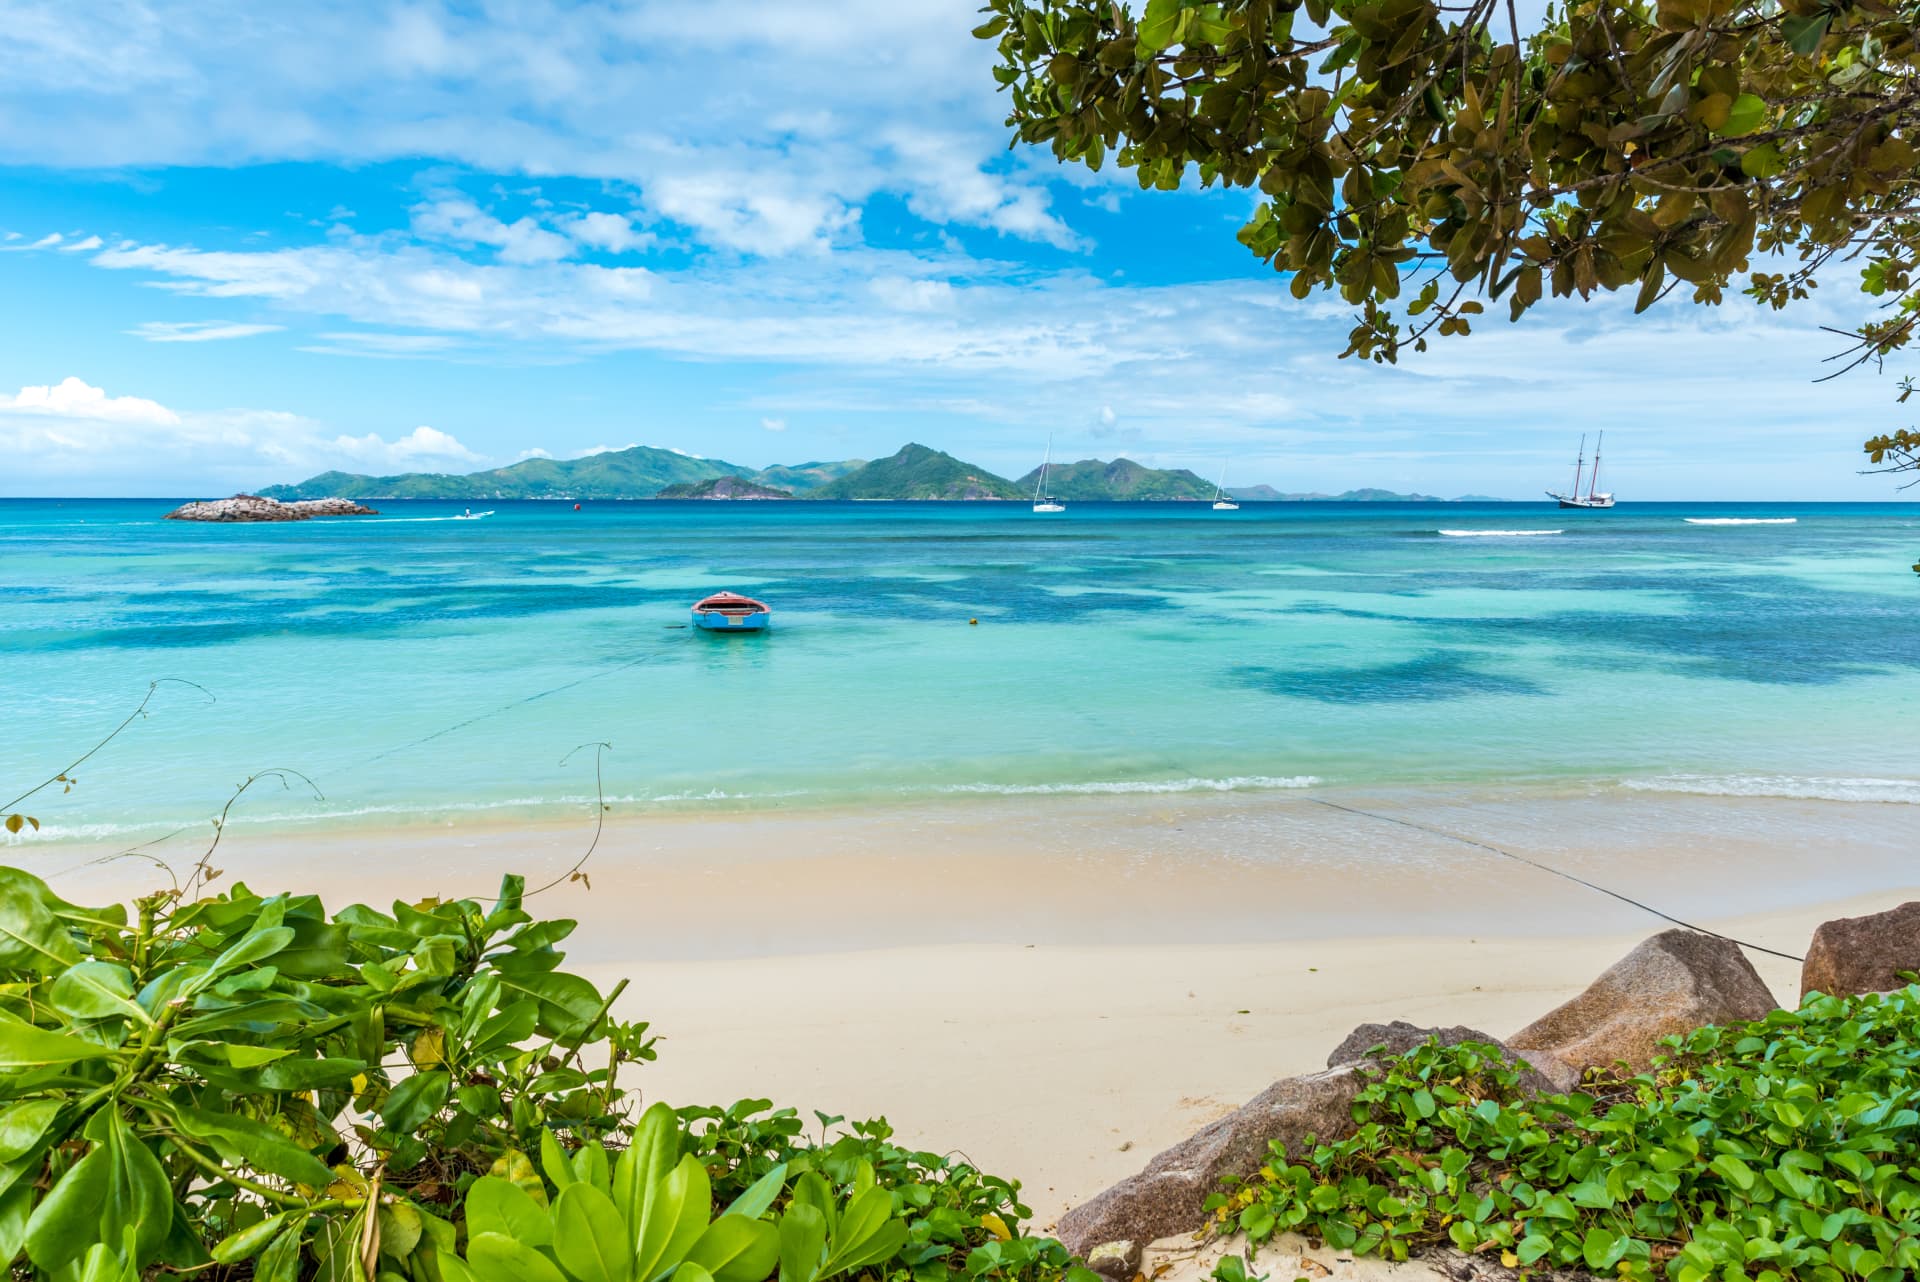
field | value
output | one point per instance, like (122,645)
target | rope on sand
(1557,872)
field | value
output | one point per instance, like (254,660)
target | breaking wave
(1740,520)
(1495,534)
(1790,787)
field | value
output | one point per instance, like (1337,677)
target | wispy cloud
(199,331)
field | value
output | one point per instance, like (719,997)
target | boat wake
(1740,520)
(1494,534)
(1788,787)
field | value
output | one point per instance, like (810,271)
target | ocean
(418,669)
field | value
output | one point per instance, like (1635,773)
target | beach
(1061,987)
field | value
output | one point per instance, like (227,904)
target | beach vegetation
(1785,1150)
(244,1085)
(1424,162)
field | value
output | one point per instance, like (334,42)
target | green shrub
(1779,1150)
(248,1087)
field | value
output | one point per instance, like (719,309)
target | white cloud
(592,450)
(424,446)
(535,452)
(198,331)
(613,233)
(457,219)
(81,246)
(75,398)
(774,424)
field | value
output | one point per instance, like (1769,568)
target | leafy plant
(1779,1150)
(248,1072)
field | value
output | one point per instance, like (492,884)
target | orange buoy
(576,507)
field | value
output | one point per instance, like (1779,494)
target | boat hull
(716,621)
(1599,502)
(1049,507)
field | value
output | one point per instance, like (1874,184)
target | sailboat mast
(1580,466)
(1220,489)
(1593,481)
(1040,486)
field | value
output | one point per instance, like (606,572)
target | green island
(915,472)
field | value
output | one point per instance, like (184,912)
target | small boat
(1042,501)
(1221,503)
(471,515)
(731,612)
(1593,498)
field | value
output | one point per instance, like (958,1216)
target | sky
(243,243)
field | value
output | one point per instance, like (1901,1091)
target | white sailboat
(1042,501)
(1593,498)
(1221,503)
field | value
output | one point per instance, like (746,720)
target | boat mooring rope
(1557,872)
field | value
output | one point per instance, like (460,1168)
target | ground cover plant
(1782,1150)
(244,1086)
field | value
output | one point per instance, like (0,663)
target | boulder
(1399,1037)
(1672,983)
(1167,1197)
(1862,954)
(252,507)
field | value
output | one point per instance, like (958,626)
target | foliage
(250,1071)
(1779,1150)
(248,1086)
(1407,146)
(1093,480)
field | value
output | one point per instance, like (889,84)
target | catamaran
(1042,501)
(1221,503)
(1593,498)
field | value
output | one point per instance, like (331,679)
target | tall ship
(1593,498)
(1043,501)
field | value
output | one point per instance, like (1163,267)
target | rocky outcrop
(1672,983)
(1399,1037)
(1863,954)
(1167,1197)
(251,507)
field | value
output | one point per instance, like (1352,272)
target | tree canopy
(1424,158)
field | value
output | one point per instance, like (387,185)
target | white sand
(1060,990)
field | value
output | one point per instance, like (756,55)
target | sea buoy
(576,507)
(973,623)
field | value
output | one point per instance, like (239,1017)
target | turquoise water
(418,668)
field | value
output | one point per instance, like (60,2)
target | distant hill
(636,473)
(1267,494)
(722,487)
(918,472)
(1093,480)
(801,477)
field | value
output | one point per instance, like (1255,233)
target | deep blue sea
(416,667)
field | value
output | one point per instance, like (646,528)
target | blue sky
(246,243)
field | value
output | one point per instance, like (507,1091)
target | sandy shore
(1061,989)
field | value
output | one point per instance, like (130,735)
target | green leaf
(32,937)
(553,1159)
(1734,1171)
(672,1218)
(866,1233)
(22,1125)
(1601,1248)
(280,1262)
(310,1074)
(257,946)
(494,1258)
(1763,161)
(16,1205)
(250,1241)
(737,1249)
(496,1205)
(1748,113)
(23,1046)
(567,1003)
(589,1236)
(96,990)
(1158,26)
(803,1242)
(759,1196)
(119,1185)
(414,1100)
(243,1139)
(1805,34)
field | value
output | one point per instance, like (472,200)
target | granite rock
(1863,954)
